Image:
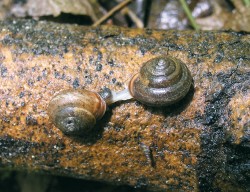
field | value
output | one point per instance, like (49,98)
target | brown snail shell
(162,81)
(75,112)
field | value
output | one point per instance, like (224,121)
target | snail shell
(162,81)
(75,112)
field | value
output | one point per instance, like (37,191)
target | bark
(201,143)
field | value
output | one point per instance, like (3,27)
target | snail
(75,112)
(161,81)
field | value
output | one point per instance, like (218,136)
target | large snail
(161,81)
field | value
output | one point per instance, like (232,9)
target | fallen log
(200,143)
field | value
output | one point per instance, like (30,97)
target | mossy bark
(200,143)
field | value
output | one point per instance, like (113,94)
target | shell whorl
(75,112)
(162,81)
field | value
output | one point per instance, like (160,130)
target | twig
(189,15)
(133,17)
(111,12)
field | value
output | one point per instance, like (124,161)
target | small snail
(162,81)
(75,112)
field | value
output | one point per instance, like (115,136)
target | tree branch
(200,143)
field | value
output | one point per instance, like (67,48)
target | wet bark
(200,143)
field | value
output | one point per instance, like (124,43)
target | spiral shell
(75,112)
(162,81)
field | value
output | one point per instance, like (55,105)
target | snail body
(162,81)
(75,112)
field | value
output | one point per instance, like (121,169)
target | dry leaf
(37,8)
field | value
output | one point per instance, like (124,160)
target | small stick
(111,12)
(133,17)
(189,15)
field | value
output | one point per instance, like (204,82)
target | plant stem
(111,12)
(247,2)
(189,15)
